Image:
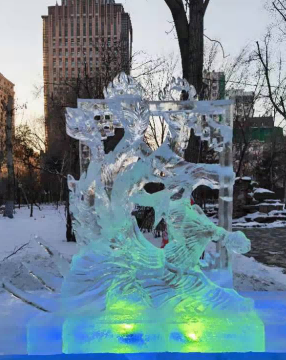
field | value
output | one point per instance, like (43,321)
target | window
(66,42)
(54,42)
(90,27)
(54,52)
(102,27)
(78,27)
(96,25)
(66,52)
(84,41)
(73,62)
(72,52)
(60,52)
(72,28)
(78,41)
(60,27)
(72,42)
(60,42)
(84,7)
(84,26)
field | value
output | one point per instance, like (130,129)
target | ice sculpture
(120,293)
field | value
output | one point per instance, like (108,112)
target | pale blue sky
(234,22)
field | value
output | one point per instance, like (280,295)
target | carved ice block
(87,334)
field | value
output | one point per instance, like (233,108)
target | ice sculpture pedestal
(86,334)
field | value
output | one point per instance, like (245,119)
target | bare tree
(271,57)
(9,196)
(188,19)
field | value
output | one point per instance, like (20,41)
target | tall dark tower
(73,37)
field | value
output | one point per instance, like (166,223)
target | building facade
(215,85)
(6,90)
(82,39)
(244,104)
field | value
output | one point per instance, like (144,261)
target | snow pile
(214,185)
(255,224)
(261,190)
(248,221)
(50,225)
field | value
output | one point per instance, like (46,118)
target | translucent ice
(120,293)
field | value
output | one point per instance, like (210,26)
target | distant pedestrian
(165,239)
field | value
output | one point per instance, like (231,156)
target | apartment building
(6,90)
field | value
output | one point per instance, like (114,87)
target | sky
(234,22)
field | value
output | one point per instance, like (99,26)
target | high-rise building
(215,85)
(6,90)
(78,36)
(244,105)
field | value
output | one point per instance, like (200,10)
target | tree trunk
(242,155)
(70,236)
(32,209)
(190,34)
(193,65)
(9,204)
(284,189)
(193,68)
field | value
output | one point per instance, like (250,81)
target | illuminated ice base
(83,335)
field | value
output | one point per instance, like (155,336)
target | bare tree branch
(206,4)
(15,251)
(220,44)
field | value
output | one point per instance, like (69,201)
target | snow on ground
(250,275)
(255,224)
(243,223)
(50,225)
